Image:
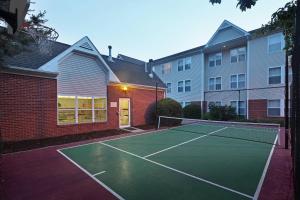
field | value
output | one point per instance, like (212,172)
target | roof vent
(86,46)
(150,64)
(109,53)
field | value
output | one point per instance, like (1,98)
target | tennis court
(197,160)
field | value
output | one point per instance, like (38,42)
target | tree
(11,45)
(288,19)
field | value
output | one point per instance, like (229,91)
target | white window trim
(281,43)
(281,102)
(76,109)
(183,89)
(237,81)
(213,57)
(190,85)
(281,75)
(215,83)
(238,106)
(182,59)
(238,60)
(170,87)
(185,61)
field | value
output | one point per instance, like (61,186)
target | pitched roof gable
(227,31)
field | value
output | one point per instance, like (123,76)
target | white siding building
(238,68)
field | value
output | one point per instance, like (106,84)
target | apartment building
(244,69)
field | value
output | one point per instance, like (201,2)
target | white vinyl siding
(238,55)
(274,108)
(275,43)
(215,59)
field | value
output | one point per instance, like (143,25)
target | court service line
(258,189)
(92,176)
(181,172)
(99,173)
(177,145)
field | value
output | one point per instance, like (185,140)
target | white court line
(99,173)
(258,189)
(177,145)
(180,172)
(93,177)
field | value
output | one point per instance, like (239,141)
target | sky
(148,29)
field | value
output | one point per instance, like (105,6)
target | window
(218,83)
(238,55)
(239,106)
(215,83)
(188,62)
(211,84)
(66,109)
(187,86)
(85,111)
(233,81)
(180,86)
(275,43)
(73,109)
(169,87)
(275,75)
(100,109)
(215,60)
(166,68)
(241,81)
(180,65)
(274,107)
(237,81)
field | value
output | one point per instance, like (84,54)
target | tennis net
(248,131)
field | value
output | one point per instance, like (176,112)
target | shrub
(192,111)
(223,113)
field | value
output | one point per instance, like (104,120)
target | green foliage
(11,45)
(169,107)
(242,4)
(192,111)
(222,113)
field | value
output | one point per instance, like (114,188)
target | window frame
(168,92)
(237,108)
(182,66)
(238,54)
(280,108)
(237,81)
(212,57)
(281,75)
(189,85)
(214,83)
(77,109)
(185,63)
(281,42)
(180,86)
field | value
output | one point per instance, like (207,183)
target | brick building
(73,89)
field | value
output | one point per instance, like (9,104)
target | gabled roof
(129,72)
(179,55)
(226,25)
(32,58)
(121,70)
(130,59)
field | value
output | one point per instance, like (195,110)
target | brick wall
(258,109)
(140,100)
(28,108)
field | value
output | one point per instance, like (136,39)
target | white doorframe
(129,115)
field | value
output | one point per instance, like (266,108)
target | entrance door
(124,112)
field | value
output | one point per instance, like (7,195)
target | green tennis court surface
(190,162)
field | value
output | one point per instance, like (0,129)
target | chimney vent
(109,53)
(150,64)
